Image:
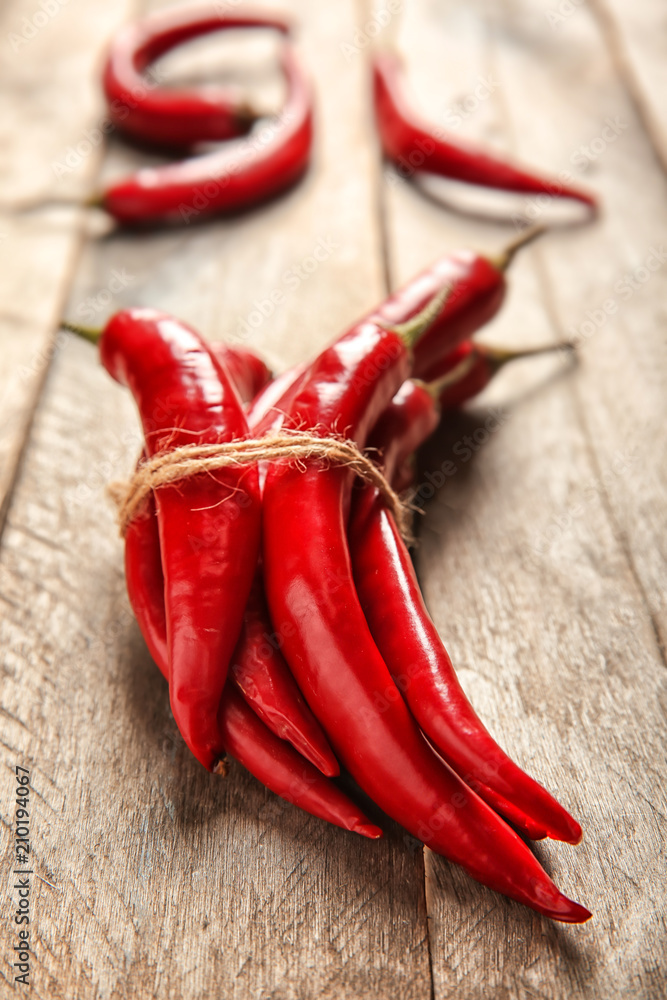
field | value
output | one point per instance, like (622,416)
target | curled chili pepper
(332,653)
(259,166)
(209,524)
(415,146)
(165,115)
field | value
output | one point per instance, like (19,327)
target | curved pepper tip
(329,768)
(568,832)
(368,830)
(569,912)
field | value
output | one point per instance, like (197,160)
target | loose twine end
(296,447)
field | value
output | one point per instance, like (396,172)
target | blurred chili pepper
(259,167)
(169,116)
(416,146)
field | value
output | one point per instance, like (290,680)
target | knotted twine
(294,446)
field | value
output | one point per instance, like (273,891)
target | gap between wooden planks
(552,535)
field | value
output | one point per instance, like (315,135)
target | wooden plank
(636,34)
(169,882)
(45,112)
(536,556)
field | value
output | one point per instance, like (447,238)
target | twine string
(297,447)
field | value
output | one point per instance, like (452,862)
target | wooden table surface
(543,559)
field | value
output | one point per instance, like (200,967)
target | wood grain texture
(535,558)
(49,106)
(542,559)
(636,34)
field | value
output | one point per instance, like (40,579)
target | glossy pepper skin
(332,653)
(257,667)
(168,116)
(264,679)
(249,374)
(209,525)
(225,180)
(477,291)
(414,145)
(412,649)
(272,761)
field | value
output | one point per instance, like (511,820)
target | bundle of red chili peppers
(278,596)
(264,559)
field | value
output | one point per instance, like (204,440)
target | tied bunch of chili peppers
(278,598)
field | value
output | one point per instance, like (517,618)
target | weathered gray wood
(636,35)
(171,883)
(536,556)
(49,101)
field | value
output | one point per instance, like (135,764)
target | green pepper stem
(454,376)
(499,356)
(85,332)
(503,260)
(412,329)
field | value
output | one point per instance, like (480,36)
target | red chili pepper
(209,547)
(330,649)
(412,649)
(258,168)
(282,770)
(476,289)
(258,668)
(468,369)
(414,145)
(477,286)
(461,374)
(169,116)
(249,374)
(267,757)
(264,679)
